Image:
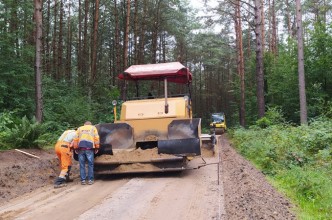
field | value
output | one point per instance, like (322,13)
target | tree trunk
(142,34)
(155,33)
(249,42)
(79,49)
(263,25)
(69,46)
(272,38)
(125,50)
(126,37)
(164,47)
(47,51)
(60,43)
(200,88)
(240,63)
(136,33)
(117,39)
(54,45)
(13,27)
(303,101)
(288,15)
(274,44)
(85,54)
(38,81)
(259,60)
(94,45)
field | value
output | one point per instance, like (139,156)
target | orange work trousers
(62,150)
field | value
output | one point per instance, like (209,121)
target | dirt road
(234,190)
(193,194)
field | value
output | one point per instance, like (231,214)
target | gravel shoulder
(248,195)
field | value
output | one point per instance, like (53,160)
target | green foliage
(16,58)
(18,132)
(310,188)
(102,107)
(297,159)
(64,107)
(23,135)
(281,75)
(282,81)
(206,130)
(263,122)
(328,110)
(7,120)
(273,116)
(70,106)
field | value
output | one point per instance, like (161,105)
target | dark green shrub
(263,122)
(273,116)
(25,134)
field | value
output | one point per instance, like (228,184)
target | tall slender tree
(54,42)
(259,59)
(94,44)
(155,31)
(263,24)
(240,60)
(85,54)
(60,42)
(47,51)
(126,37)
(117,38)
(38,81)
(69,45)
(142,32)
(136,32)
(303,99)
(79,46)
(125,50)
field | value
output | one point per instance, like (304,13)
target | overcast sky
(199,4)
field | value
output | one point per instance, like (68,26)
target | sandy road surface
(193,194)
(26,191)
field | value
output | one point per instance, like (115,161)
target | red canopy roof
(174,72)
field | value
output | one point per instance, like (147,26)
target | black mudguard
(184,128)
(114,136)
(188,146)
(183,138)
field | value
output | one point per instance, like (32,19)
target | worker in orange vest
(63,149)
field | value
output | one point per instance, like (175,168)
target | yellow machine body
(218,123)
(152,134)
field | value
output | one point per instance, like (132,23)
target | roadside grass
(297,160)
(311,190)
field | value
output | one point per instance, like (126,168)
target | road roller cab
(218,123)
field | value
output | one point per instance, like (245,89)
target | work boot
(60,182)
(68,175)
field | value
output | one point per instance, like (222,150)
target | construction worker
(64,153)
(86,144)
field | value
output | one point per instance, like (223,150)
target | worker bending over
(63,149)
